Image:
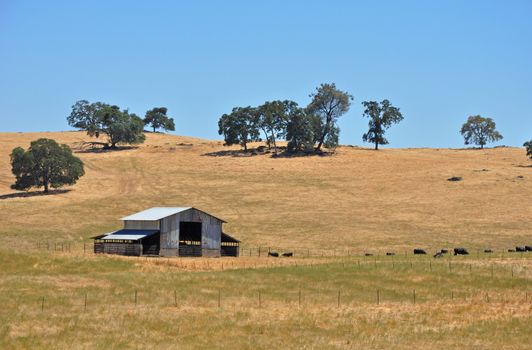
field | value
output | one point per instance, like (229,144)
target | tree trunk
(45,186)
(154,129)
(376,145)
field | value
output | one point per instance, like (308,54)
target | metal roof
(156,213)
(132,235)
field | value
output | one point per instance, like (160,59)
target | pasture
(353,202)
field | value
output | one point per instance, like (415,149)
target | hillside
(358,198)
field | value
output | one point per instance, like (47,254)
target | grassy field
(355,201)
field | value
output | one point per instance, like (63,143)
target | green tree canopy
(240,126)
(273,118)
(528,146)
(300,131)
(101,118)
(479,131)
(45,164)
(328,104)
(381,117)
(157,119)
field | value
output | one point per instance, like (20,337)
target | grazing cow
(511,250)
(444,251)
(460,251)
(288,254)
(528,248)
(368,254)
(390,253)
(520,249)
(488,251)
(438,255)
(274,254)
(419,252)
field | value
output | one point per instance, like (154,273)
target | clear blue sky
(439,61)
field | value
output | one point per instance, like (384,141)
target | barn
(169,231)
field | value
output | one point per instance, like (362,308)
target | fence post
(338,298)
(175,298)
(414,296)
(84,249)
(378,297)
(42,304)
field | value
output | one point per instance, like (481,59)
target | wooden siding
(141,225)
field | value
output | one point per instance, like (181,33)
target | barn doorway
(189,238)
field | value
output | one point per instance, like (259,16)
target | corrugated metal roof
(155,213)
(132,235)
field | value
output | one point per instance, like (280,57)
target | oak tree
(45,164)
(381,117)
(479,131)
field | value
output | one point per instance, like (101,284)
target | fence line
(263,251)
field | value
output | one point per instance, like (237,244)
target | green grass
(464,305)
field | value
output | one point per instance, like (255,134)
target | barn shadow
(33,194)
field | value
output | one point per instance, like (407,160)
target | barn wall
(169,235)
(211,230)
(141,225)
(132,249)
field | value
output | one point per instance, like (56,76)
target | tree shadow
(282,152)
(33,194)
(98,147)
(523,166)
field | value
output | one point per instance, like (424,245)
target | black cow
(288,254)
(274,254)
(460,251)
(520,249)
(488,251)
(368,254)
(444,251)
(438,255)
(419,252)
(511,250)
(390,253)
(528,248)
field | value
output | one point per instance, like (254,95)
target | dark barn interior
(189,238)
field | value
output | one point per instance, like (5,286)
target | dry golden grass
(358,198)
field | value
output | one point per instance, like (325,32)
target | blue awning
(131,235)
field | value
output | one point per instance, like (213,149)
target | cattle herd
(418,251)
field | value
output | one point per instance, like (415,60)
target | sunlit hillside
(357,198)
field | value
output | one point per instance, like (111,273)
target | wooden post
(430,266)
(378,297)
(414,295)
(42,304)
(452,295)
(259,251)
(84,249)
(175,298)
